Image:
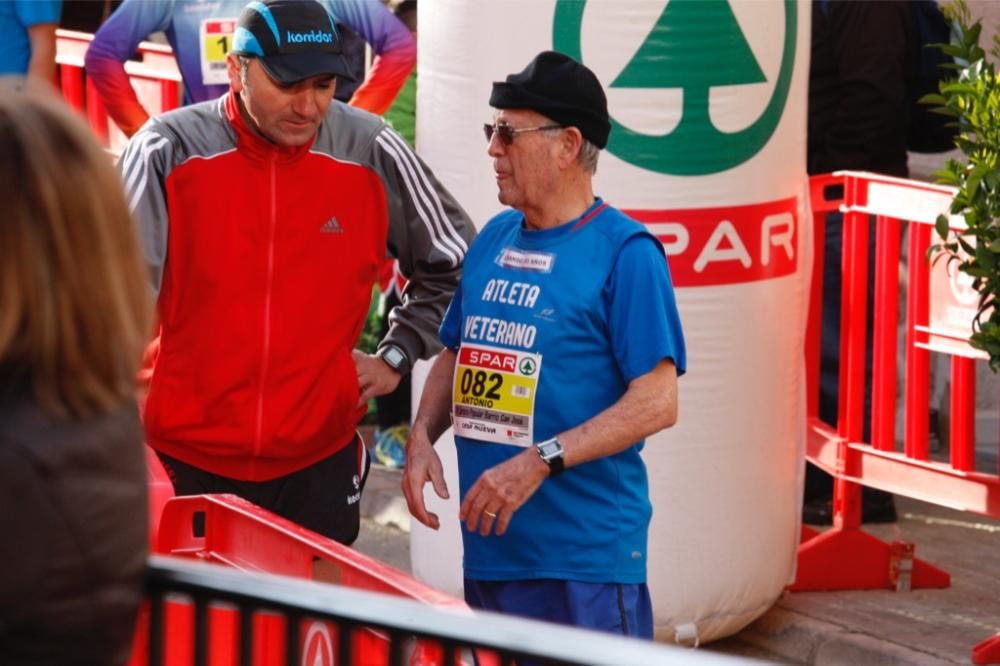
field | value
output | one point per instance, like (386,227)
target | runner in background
(28,37)
(393,410)
(201,33)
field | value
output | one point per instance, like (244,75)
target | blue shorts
(615,608)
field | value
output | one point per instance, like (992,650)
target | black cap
(556,86)
(293,39)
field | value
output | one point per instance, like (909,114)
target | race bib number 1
(494,394)
(215,40)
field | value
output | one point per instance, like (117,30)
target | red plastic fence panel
(160,492)
(233,531)
(228,530)
(845,557)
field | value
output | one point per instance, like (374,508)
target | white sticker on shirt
(494,394)
(538,262)
(215,40)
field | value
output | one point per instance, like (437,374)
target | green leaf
(967,145)
(992,179)
(944,111)
(941,226)
(953,51)
(986,260)
(972,185)
(972,33)
(957,87)
(966,247)
(945,177)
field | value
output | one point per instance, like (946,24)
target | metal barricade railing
(228,530)
(154,77)
(299,606)
(845,557)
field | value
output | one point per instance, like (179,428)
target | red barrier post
(886,313)
(963,414)
(170,93)
(71,85)
(853,340)
(826,194)
(917,398)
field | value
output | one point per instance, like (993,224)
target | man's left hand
(501,490)
(375,377)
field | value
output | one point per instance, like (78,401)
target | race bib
(494,394)
(215,40)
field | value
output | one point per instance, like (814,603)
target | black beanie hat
(555,85)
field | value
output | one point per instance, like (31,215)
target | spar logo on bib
(693,49)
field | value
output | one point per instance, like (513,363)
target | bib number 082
(479,384)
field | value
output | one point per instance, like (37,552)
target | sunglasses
(506,133)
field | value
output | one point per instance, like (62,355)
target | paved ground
(871,627)
(885,627)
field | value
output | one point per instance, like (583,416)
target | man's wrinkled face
(526,170)
(288,115)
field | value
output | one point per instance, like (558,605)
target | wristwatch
(395,358)
(551,453)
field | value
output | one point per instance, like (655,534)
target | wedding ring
(490,514)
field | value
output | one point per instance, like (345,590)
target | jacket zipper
(266,347)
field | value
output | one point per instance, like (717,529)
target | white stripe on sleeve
(443,235)
(136,165)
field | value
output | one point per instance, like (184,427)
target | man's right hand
(422,465)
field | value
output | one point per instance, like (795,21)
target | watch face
(394,357)
(549,449)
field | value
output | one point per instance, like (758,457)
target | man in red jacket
(265,216)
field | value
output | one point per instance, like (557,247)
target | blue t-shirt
(567,317)
(16,16)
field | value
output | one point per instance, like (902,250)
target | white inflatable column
(708,101)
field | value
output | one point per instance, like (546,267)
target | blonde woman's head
(74,297)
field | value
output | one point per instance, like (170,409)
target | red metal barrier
(987,652)
(225,529)
(229,530)
(155,78)
(845,557)
(160,492)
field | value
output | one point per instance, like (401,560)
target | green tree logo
(680,52)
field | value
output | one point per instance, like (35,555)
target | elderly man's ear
(569,146)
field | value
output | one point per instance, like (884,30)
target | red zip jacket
(264,258)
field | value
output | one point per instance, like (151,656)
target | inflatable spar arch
(708,149)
